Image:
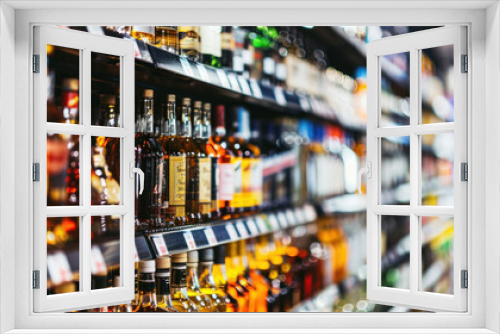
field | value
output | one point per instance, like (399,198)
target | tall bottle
(199,172)
(167,38)
(210,46)
(162,276)
(147,288)
(148,157)
(207,282)
(234,272)
(226,164)
(214,160)
(220,279)
(174,162)
(178,286)
(227,46)
(203,301)
(189,42)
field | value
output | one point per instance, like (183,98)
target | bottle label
(238,65)
(256,183)
(205,189)
(246,183)
(189,40)
(237,182)
(227,41)
(178,278)
(226,181)
(268,66)
(177,179)
(210,40)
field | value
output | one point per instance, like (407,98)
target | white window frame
(414,43)
(483,294)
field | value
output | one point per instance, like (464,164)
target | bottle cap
(147,266)
(207,255)
(163,262)
(186,100)
(71,84)
(197,104)
(117,281)
(149,93)
(192,257)
(108,99)
(171,98)
(207,106)
(220,254)
(179,258)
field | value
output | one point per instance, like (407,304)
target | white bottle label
(226,181)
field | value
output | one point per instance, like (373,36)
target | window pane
(63,255)
(105,252)
(105,171)
(63,84)
(437,85)
(63,169)
(395,170)
(437,169)
(105,89)
(395,92)
(395,251)
(437,254)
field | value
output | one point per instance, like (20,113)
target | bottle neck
(197,124)
(219,275)
(206,125)
(147,118)
(147,293)
(192,277)
(170,126)
(206,277)
(186,122)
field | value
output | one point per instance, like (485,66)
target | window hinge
(464,279)
(36,63)
(464,171)
(36,172)
(36,279)
(465,64)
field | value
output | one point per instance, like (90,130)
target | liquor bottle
(147,288)
(239,51)
(144,33)
(189,42)
(237,286)
(174,168)
(178,285)
(214,160)
(167,38)
(210,47)
(203,301)
(99,281)
(220,278)
(244,279)
(207,282)
(162,276)
(199,172)
(227,46)
(135,301)
(226,164)
(117,282)
(148,157)
(260,282)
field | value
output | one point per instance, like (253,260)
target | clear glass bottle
(210,46)
(147,288)
(143,33)
(189,42)
(207,282)
(193,285)
(167,38)
(178,285)
(162,276)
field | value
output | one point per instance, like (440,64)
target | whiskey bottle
(178,286)
(207,283)
(210,45)
(148,157)
(174,170)
(234,271)
(189,42)
(214,161)
(167,38)
(162,277)
(259,281)
(220,279)
(200,172)
(203,302)
(147,288)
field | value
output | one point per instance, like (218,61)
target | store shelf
(348,203)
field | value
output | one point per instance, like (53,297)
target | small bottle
(193,285)
(178,286)
(167,38)
(147,288)
(189,42)
(162,277)
(207,283)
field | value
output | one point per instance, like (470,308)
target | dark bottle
(174,168)
(227,46)
(162,276)
(148,157)
(214,160)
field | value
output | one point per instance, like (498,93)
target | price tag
(282,220)
(186,67)
(273,221)
(161,247)
(255,89)
(304,104)
(252,227)
(232,232)
(244,85)
(299,213)
(291,217)
(189,240)
(58,267)
(97,264)
(209,233)
(279,96)
(234,82)
(223,78)
(242,230)
(136,255)
(262,225)
(203,72)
